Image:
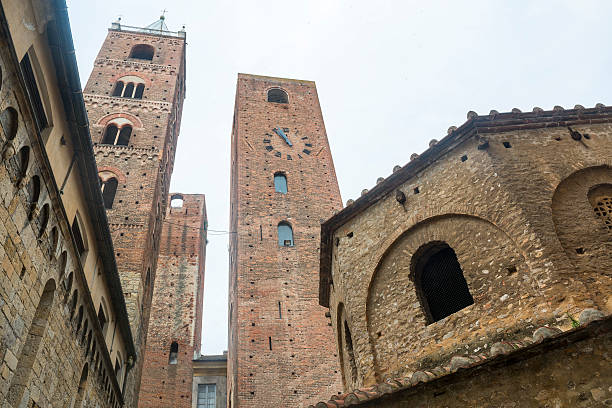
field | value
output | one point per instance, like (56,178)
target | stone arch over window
(439,281)
(129,86)
(109,189)
(10,123)
(142,52)
(581,225)
(29,350)
(82,386)
(285,234)
(173,356)
(348,365)
(280,182)
(483,251)
(277,95)
(80,236)
(117,133)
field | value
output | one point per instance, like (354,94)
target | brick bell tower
(175,327)
(134,100)
(283,185)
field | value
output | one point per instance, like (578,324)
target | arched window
(63,260)
(116,136)
(81,241)
(21,163)
(176,201)
(33,194)
(348,340)
(142,51)
(54,240)
(9,122)
(128,92)
(277,95)
(79,319)
(68,286)
(73,302)
(43,220)
(102,318)
(82,385)
(600,198)
(285,234)
(118,88)
(109,189)
(139,91)
(29,351)
(439,280)
(280,183)
(173,357)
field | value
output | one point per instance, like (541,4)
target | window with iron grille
(277,95)
(600,198)
(439,280)
(207,396)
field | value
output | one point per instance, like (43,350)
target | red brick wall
(176,310)
(144,166)
(302,364)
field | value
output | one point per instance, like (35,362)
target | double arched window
(142,52)
(285,234)
(118,136)
(277,95)
(129,87)
(280,183)
(439,280)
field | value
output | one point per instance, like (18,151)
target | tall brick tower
(134,99)
(283,185)
(176,310)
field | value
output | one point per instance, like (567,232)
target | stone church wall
(514,205)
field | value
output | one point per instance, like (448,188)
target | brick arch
(115,172)
(581,233)
(492,264)
(104,120)
(139,74)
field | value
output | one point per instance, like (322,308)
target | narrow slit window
(280,183)
(173,357)
(34,94)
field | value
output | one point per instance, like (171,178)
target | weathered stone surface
(589,315)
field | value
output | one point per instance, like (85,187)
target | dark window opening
(173,357)
(118,89)
(270,343)
(350,353)
(143,52)
(507,145)
(124,136)
(109,189)
(440,283)
(76,232)
(24,161)
(139,91)
(277,95)
(43,220)
(102,319)
(33,93)
(33,194)
(110,134)
(280,183)
(129,90)
(285,234)
(9,122)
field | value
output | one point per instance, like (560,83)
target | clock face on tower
(287,144)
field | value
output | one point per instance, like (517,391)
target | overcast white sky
(391,76)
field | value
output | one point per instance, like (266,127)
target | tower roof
(159,25)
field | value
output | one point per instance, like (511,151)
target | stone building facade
(175,327)
(209,389)
(134,100)
(65,335)
(499,229)
(283,184)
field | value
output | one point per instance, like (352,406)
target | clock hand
(280,132)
